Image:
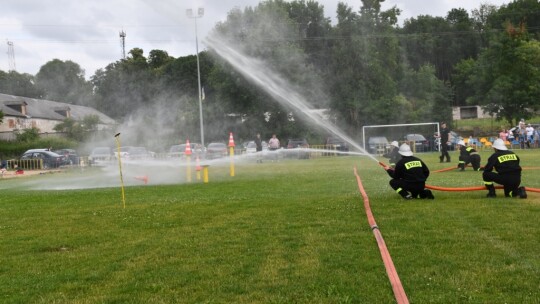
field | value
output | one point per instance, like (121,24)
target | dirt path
(26,173)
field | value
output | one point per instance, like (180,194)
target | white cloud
(87,32)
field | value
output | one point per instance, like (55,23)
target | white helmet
(461,142)
(499,144)
(405,150)
(395,144)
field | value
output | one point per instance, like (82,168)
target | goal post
(398,132)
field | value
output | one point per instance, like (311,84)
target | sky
(87,32)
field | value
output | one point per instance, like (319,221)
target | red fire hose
(460,189)
(397,287)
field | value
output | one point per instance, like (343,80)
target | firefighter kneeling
(508,174)
(409,176)
(468,154)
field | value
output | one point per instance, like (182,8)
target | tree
(506,77)
(64,81)
(19,84)
(76,130)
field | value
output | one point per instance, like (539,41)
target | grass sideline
(288,232)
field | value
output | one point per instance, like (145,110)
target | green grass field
(294,231)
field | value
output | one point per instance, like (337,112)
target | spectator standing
(530,135)
(444,143)
(522,131)
(273,144)
(258,144)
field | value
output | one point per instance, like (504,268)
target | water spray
(117,136)
(275,85)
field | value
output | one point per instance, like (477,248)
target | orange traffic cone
(143,178)
(188,149)
(197,164)
(231,140)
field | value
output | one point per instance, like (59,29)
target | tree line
(365,69)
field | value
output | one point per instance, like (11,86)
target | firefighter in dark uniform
(468,154)
(444,136)
(393,156)
(508,174)
(409,176)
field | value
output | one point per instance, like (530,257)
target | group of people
(273,144)
(409,173)
(525,134)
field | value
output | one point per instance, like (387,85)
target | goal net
(420,136)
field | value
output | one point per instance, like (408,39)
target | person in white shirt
(530,134)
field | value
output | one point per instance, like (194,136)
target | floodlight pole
(200,13)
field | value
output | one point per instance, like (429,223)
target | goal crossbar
(397,125)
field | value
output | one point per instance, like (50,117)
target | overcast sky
(87,31)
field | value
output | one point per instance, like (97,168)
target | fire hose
(476,188)
(397,287)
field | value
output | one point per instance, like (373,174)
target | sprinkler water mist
(117,136)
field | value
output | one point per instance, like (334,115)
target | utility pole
(11,56)
(123,43)
(200,13)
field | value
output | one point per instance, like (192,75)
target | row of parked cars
(62,157)
(49,158)
(377,144)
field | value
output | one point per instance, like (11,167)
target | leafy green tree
(64,81)
(506,77)
(124,87)
(17,84)
(517,12)
(27,135)
(78,131)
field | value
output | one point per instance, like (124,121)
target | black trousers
(473,159)
(444,152)
(510,182)
(414,188)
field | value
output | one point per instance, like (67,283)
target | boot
(461,167)
(491,191)
(405,194)
(521,192)
(441,158)
(427,194)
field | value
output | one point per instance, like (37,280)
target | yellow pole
(198,168)
(188,168)
(231,153)
(205,174)
(117,136)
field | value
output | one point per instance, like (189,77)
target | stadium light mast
(200,13)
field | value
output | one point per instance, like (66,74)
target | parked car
(337,144)
(251,147)
(177,151)
(377,145)
(216,150)
(100,155)
(421,144)
(138,153)
(71,155)
(298,143)
(49,159)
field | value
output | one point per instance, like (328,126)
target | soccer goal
(420,136)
